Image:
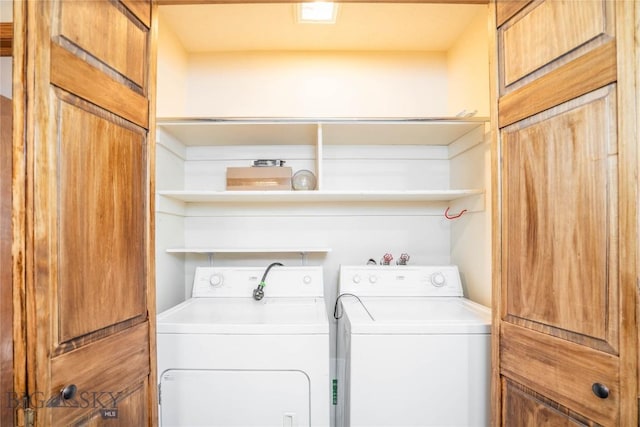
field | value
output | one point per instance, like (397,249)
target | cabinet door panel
(525,408)
(560,229)
(562,371)
(74,75)
(123,50)
(589,72)
(103,162)
(131,411)
(525,42)
(107,370)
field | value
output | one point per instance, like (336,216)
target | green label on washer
(335,391)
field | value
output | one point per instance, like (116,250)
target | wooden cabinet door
(565,296)
(88,245)
(6,289)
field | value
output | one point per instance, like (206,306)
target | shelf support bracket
(303,258)
(210,254)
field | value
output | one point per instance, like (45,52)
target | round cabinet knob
(216,279)
(438,280)
(306,280)
(373,279)
(600,390)
(356,278)
(68,392)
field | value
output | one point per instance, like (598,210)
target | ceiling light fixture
(317,12)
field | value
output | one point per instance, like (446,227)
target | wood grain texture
(88,191)
(152,380)
(141,9)
(628,84)
(6,38)
(123,365)
(526,408)
(6,282)
(103,162)
(560,192)
(546,360)
(548,31)
(582,75)
(505,9)
(123,50)
(19,212)
(74,75)
(130,404)
(496,229)
(562,371)
(184,2)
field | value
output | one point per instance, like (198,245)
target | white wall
(6,64)
(170,268)
(325,84)
(471,233)
(6,10)
(355,232)
(305,84)
(172,73)
(468,69)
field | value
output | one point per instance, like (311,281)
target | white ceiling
(359,26)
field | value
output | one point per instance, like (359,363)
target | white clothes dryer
(412,351)
(226,359)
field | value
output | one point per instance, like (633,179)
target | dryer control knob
(306,280)
(356,278)
(438,280)
(373,279)
(216,279)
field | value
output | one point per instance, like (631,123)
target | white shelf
(319,196)
(301,250)
(302,131)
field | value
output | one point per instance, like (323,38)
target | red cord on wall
(446,214)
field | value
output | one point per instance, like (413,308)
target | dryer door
(241,398)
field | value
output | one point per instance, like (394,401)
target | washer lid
(424,315)
(246,316)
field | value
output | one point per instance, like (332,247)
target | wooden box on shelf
(258,178)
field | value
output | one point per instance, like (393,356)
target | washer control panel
(240,281)
(372,280)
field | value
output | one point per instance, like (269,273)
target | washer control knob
(216,279)
(306,280)
(373,279)
(356,278)
(438,280)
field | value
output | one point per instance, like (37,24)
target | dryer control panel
(419,281)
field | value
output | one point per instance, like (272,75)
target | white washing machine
(227,359)
(412,351)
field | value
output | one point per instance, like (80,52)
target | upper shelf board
(417,131)
(319,196)
(253,250)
